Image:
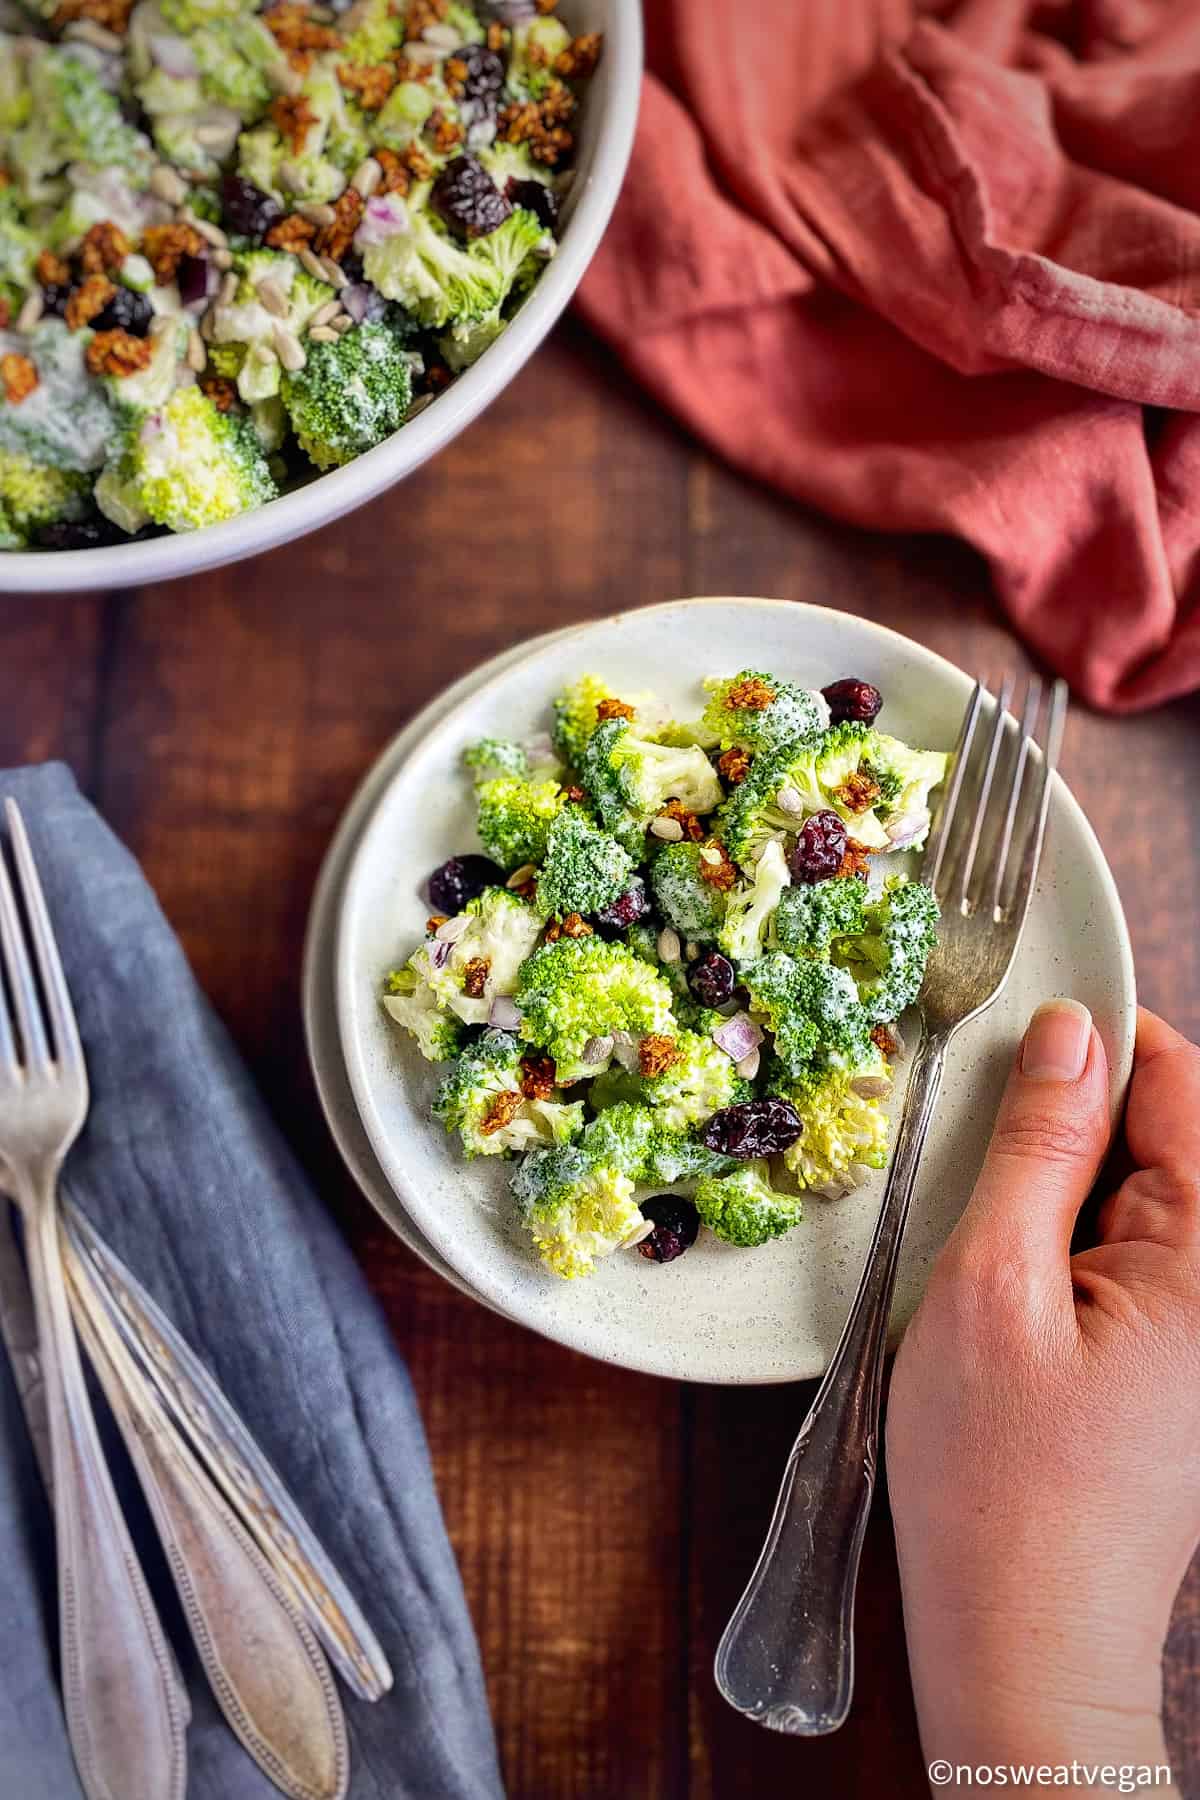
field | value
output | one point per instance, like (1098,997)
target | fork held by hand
(786,1658)
(125,1705)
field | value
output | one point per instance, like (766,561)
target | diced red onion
(385,216)
(450,930)
(152,424)
(505,1014)
(356,299)
(198,280)
(738,1036)
(439,953)
(174,56)
(906,829)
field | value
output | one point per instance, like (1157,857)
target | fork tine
(1032,849)
(1003,701)
(54,982)
(21,986)
(8,1047)
(1029,718)
(939,838)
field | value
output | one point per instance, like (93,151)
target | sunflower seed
(211,233)
(445,37)
(168,184)
(333,273)
(227,292)
(668,945)
(520,876)
(197,355)
(343,322)
(666,828)
(691,950)
(272,297)
(597,1050)
(321,334)
(86,31)
(291,177)
(31,310)
(366,177)
(316,212)
(222,259)
(712,855)
(288,348)
(309,261)
(325,313)
(637,1234)
(871,1087)
(423,53)
(284,78)
(789,801)
(452,930)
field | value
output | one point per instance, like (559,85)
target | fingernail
(1056,1042)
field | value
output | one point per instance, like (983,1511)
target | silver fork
(786,1659)
(125,1706)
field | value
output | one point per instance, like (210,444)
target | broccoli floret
(750,907)
(585,869)
(575,716)
(743,1208)
(514,818)
(813,1009)
(690,903)
(405,111)
(66,422)
(760,712)
(906,778)
(785,785)
(575,1207)
(812,915)
(842,1126)
(432,275)
(578,991)
(484,960)
(631,778)
(412,1003)
(189,465)
(888,955)
(642,940)
(32,495)
(334,142)
(637,1140)
(493,757)
(519,246)
(378,30)
(482,1098)
(349,395)
(698,1082)
(535,45)
(72,118)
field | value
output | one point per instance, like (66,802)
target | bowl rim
(340,491)
(586,1336)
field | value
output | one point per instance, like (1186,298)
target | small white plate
(719,1314)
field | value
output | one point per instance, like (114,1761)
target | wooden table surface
(605,1521)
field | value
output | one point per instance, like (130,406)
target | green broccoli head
(483,1098)
(690,903)
(845,1125)
(534,46)
(814,1010)
(378,30)
(33,495)
(575,716)
(637,1139)
(494,757)
(67,421)
(743,1208)
(905,778)
(576,1207)
(812,916)
(700,1080)
(514,818)
(72,118)
(517,251)
(438,280)
(482,961)
(784,786)
(585,869)
(751,906)
(335,142)
(888,954)
(349,395)
(577,993)
(648,774)
(412,1003)
(188,465)
(759,712)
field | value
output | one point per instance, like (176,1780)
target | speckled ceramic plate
(720,1314)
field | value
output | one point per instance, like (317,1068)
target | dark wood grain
(604,1521)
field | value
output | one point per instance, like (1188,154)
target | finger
(1049,1141)
(1160,1201)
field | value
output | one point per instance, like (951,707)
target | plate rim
(492,672)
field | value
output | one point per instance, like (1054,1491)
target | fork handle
(786,1658)
(126,1711)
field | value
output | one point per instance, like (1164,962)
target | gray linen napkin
(182,1171)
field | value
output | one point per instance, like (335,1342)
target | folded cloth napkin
(182,1171)
(941,273)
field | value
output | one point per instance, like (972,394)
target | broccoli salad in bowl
(240,246)
(678,961)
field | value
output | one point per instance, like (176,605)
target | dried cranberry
(627,908)
(92,533)
(537,198)
(752,1128)
(461,879)
(484,77)
(711,979)
(126,311)
(55,295)
(676,1223)
(197,278)
(467,198)
(852,699)
(819,848)
(246,209)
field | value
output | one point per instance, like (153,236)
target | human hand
(1043,1438)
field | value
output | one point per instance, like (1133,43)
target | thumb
(1049,1141)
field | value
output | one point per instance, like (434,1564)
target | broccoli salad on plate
(238,246)
(678,961)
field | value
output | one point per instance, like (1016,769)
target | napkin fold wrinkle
(938,269)
(185,1175)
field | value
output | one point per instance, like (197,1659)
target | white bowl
(719,1314)
(608,121)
